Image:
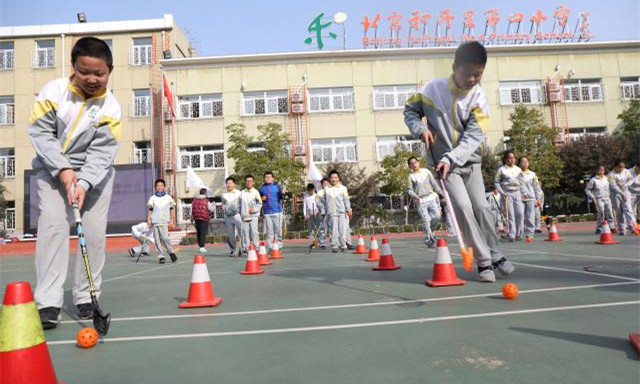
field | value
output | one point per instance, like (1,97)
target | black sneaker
(323,247)
(538,231)
(161,260)
(173,257)
(85,311)
(131,252)
(343,249)
(49,317)
(351,247)
(144,254)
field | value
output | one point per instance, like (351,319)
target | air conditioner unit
(553,86)
(297,97)
(297,108)
(555,97)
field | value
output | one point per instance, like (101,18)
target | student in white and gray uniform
(311,212)
(325,223)
(144,235)
(250,205)
(231,205)
(634,189)
(539,211)
(161,213)
(423,188)
(599,190)
(620,179)
(338,209)
(495,203)
(508,180)
(531,197)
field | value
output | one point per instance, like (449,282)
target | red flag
(168,95)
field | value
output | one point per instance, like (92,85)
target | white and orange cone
(553,233)
(374,251)
(444,274)
(605,236)
(200,290)
(386,263)
(263,258)
(275,250)
(253,266)
(361,249)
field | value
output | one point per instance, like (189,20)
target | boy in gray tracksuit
(325,223)
(531,197)
(250,205)
(494,198)
(508,180)
(598,189)
(634,188)
(338,208)
(161,213)
(424,190)
(74,128)
(231,205)
(620,179)
(456,112)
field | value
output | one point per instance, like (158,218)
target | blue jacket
(271,198)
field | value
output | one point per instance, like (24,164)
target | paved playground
(329,318)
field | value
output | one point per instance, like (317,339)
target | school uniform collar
(453,87)
(73,87)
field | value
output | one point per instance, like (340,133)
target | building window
(575,133)
(141,103)
(184,211)
(392,97)
(7,162)
(331,100)
(45,54)
(205,157)
(386,146)
(630,88)
(256,147)
(9,222)
(142,152)
(334,150)
(7,55)
(265,103)
(7,108)
(200,106)
(583,91)
(141,51)
(521,92)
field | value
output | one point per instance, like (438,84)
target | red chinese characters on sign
(468,19)
(561,14)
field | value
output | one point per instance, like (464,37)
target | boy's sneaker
(334,250)
(504,266)
(518,238)
(85,311)
(203,250)
(485,274)
(131,252)
(144,254)
(351,247)
(49,317)
(538,230)
(343,249)
(323,247)
(621,233)
(431,243)
(161,260)
(511,240)
(173,257)
(598,231)
(232,253)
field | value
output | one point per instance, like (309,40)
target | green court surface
(329,318)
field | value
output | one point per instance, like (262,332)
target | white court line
(360,305)
(576,271)
(572,255)
(356,325)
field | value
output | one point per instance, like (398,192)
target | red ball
(87,337)
(510,291)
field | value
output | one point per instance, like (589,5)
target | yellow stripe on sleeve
(481,118)
(41,108)
(113,124)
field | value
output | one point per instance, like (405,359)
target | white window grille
(7,55)
(140,53)
(200,106)
(205,157)
(9,221)
(338,150)
(7,163)
(331,100)
(141,103)
(575,133)
(142,152)
(386,146)
(630,89)
(265,103)
(45,54)
(521,92)
(7,109)
(583,91)
(392,97)
(392,202)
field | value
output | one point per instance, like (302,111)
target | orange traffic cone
(24,355)
(386,262)
(263,259)
(444,274)
(553,233)
(275,250)
(252,267)
(200,290)
(361,249)
(634,338)
(374,252)
(605,236)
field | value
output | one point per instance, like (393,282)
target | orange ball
(87,337)
(510,291)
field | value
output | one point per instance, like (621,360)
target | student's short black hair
(249,176)
(334,172)
(507,153)
(470,53)
(323,180)
(92,47)
(311,187)
(230,178)
(203,191)
(268,173)
(493,188)
(411,158)
(522,157)
(601,166)
(617,162)
(159,181)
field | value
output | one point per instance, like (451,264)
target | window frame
(506,90)
(266,97)
(406,141)
(633,85)
(394,91)
(8,57)
(49,55)
(212,98)
(215,150)
(8,163)
(333,145)
(331,94)
(581,85)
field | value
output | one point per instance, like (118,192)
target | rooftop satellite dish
(340,17)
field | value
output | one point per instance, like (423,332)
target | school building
(337,105)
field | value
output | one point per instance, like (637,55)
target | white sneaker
(486,275)
(203,250)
